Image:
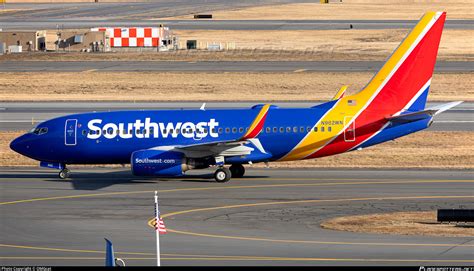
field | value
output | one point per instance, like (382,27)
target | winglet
(257,124)
(340,93)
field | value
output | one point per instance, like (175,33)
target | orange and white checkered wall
(132,36)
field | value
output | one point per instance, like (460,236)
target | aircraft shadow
(100,180)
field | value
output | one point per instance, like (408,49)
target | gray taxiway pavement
(215,66)
(225,24)
(24,115)
(123,10)
(80,15)
(270,217)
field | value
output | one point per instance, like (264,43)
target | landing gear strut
(222,175)
(64,173)
(237,170)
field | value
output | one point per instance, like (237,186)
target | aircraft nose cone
(19,145)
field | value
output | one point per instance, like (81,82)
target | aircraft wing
(237,147)
(217,148)
(429,112)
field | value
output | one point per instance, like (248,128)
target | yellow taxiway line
(234,187)
(255,258)
(150,222)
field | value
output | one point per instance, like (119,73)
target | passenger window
(84,132)
(220,130)
(288,129)
(301,129)
(241,130)
(295,129)
(316,128)
(234,130)
(282,129)
(329,129)
(269,130)
(275,129)
(227,130)
(322,128)
(308,129)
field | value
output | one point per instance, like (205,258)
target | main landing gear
(237,170)
(64,173)
(223,174)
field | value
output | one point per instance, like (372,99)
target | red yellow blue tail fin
(401,85)
(404,80)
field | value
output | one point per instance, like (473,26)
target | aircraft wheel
(222,175)
(64,174)
(237,170)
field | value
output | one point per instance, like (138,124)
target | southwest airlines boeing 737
(166,143)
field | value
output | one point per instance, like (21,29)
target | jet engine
(164,163)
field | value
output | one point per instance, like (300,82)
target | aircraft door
(349,133)
(70,132)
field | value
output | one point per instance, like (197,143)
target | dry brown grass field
(157,86)
(301,45)
(400,223)
(446,150)
(352,44)
(355,10)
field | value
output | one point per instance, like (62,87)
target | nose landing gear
(64,173)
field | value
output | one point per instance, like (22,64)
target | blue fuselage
(111,137)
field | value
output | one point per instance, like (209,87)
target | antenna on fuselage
(203,107)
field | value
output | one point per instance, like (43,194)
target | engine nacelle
(158,163)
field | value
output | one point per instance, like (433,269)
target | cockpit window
(39,130)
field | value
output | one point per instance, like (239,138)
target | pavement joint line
(229,187)
(150,222)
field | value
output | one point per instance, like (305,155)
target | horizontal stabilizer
(429,112)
